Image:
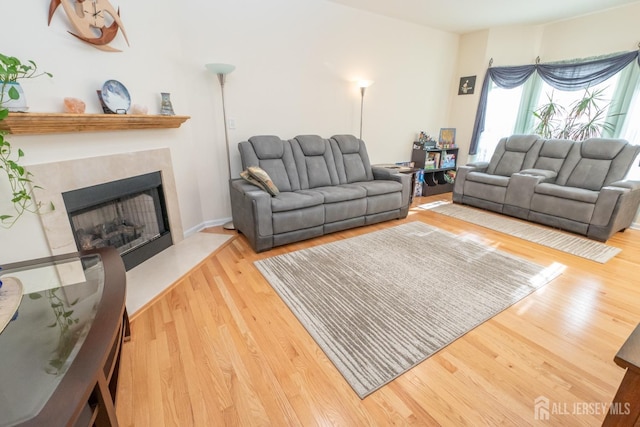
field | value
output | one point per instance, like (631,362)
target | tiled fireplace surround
(58,177)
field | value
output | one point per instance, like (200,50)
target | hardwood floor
(220,348)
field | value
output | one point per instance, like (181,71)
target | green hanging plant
(19,179)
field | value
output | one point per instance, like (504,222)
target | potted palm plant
(12,99)
(584,118)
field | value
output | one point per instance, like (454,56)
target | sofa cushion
(268,147)
(299,220)
(562,209)
(293,200)
(597,162)
(622,163)
(345,210)
(351,159)
(553,154)
(312,145)
(589,174)
(486,178)
(383,203)
(275,157)
(601,149)
(572,193)
(514,154)
(341,193)
(378,187)
(314,161)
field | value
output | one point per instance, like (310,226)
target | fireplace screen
(124,223)
(128,214)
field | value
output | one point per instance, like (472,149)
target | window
(502,112)
(505,112)
(631,130)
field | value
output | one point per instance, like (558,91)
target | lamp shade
(364,83)
(220,68)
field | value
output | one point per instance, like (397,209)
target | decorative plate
(116,97)
(10,297)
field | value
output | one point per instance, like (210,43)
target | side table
(625,408)
(60,357)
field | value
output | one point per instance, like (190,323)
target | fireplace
(129,214)
(63,177)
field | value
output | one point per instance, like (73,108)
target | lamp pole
(221,79)
(363,84)
(221,70)
(362,90)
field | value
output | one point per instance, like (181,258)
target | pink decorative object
(139,109)
(74,105)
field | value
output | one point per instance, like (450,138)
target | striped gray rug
(380,303)
(569,243)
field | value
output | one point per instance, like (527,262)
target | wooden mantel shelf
(45,123)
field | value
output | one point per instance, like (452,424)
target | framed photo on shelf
(447,137)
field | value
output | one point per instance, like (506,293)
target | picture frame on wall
(447,137)
(467,85)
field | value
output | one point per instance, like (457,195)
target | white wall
(296,63)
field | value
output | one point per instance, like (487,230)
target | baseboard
(212,223)
(635,226)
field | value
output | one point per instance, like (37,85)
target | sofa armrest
(461,177)
(521,188)
(479,166)
(631,185)
(617,203)
(380,173)
(251,212)
(547,175)
(243,186)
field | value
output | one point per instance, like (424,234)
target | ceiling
(464,16)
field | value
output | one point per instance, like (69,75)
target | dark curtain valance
(565,76)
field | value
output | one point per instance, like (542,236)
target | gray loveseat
(325,185)
(574,186)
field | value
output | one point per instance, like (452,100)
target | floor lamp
(363,84)
(221,70)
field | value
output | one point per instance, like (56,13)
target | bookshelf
(438,164)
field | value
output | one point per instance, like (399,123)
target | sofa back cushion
(314,161)
(274,156)
(553,153)
(514,154)
(351,159)
(597,162)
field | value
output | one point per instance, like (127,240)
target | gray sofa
(325,185)
(574,186)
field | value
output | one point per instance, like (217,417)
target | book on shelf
(433,159)
(448,160)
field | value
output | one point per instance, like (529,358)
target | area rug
(574,245)
(380,303)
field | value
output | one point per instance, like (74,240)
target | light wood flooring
(220,348)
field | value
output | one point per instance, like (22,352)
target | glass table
(59,357)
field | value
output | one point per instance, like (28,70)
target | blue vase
(166,109)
